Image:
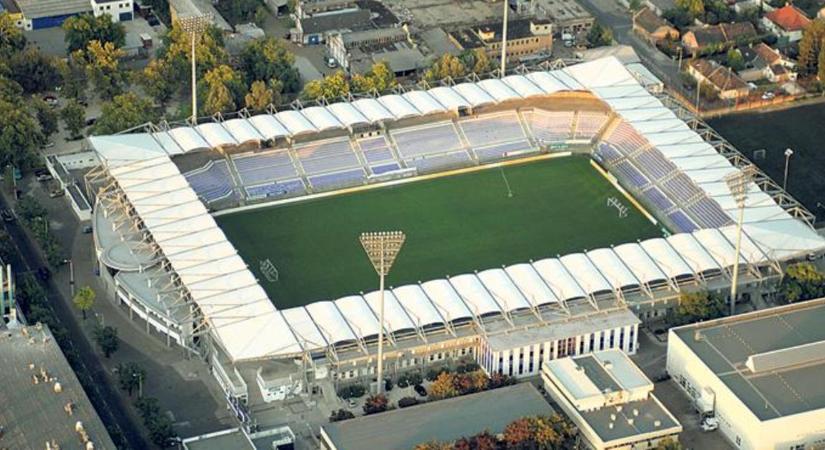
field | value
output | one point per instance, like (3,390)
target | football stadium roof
(249,326)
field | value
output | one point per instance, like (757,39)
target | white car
(710,424)
(768,96)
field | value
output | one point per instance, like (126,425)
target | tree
(106,338)
(223,89)
(679,17)
(434,445)
(81,30)
(695,306)
(102,62)
(445,66)
(635,5)
(74,117)
(812,48)
(176,54)
(46,116)
(123,112)
(19,134)
(380,78)
(259,96)
(130,376)
(599,35)
(443,387)
(735,59)
(84,299)
(11,36)
(341,414)
(73,75)
(476,60)
(34,71)
(668,444)
(802,281)
(330,87)
(156,80)
(238,11)
(267,59)
(375,404)
(695,8)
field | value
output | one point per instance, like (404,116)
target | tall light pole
(504,39)
(382,248)
(194,25)
(788,153)
(738,183)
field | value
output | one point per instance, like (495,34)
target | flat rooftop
(34,9)
(635,418)
(33,414)
(725,345)
(443,420)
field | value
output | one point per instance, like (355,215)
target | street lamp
(382,248)
(71,274)
(788,153)
(194,25)
(739,183)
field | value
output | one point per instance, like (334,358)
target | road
(616,17)
(111,408)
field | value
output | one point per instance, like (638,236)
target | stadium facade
(170,264)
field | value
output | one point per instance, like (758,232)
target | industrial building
(44,405)
(525,37)
(610,400)
(760,374)
(443,420)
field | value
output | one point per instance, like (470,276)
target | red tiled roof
(789,18)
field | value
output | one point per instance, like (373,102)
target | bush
(403,381)
(433,373)
(375,404)
(388,385)
(407,401)
(352,391)
(467,368)
(341,414)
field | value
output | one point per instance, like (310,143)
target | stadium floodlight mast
(382,248)
(738,183)
(194,25)
(788,154)
(504,39)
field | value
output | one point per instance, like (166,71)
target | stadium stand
(657,198)
(212,182)
(682,222)
(588,124)
(434,139)
(493,129)
(550,126)
(266,166)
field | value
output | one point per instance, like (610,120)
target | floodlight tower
(504,39)
(194,25)
(739,183)
(788,154)
(382,248)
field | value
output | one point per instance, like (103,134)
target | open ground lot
(454,225)
(797,128)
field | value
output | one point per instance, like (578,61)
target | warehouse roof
(444,420)
(34,413)
(35,9)
(778,338)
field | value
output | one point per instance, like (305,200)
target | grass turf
(797,128)
(454,225)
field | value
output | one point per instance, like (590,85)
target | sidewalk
(184,387)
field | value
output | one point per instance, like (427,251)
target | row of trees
(698,306)
(34,216)
(132,378)
(802,281)
(533,432)
(380,78)
(812,50)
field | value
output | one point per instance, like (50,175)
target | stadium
(548,213)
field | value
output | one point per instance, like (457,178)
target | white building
(760,374)
(120,10)
(610,400)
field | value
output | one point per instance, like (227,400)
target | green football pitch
(454,224)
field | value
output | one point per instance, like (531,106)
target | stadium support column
(738,183)
(382,248)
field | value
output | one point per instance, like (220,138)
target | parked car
(51,100)
(57,193)
(419,389)
(8,215)
(332,63)
(44,176)
(351,403)
(91,121)
(710,424)
(768,96)
(48,145)
(87,229)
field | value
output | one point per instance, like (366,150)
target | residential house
(722,79)
(764,62)
(786,22)
(715,38)
(652,27)
(525,37)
